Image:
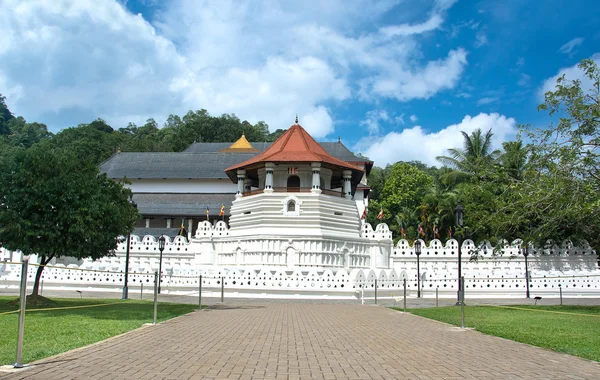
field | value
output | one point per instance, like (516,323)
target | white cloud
(76,55)
(77,60)
(480,39)
(422,83)
(570,73)
(413,118)
(487,100)
(318,122)
(524,80)
(416,144)
(374,118)
(406,30)
(570,47)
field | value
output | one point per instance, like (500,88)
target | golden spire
(241,145)
(296,119)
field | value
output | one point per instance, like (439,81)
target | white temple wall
(266,265)
(314,215)
(207,185)
(361,202)
(500,269)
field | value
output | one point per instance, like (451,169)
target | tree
(404,188)
(276,134)
(574,141)
(101,125)
(53,205)
(437,209)
(514,158)
(562,193)
(89,143)
(24,134)
(5,116)
(475,156)
(377,181)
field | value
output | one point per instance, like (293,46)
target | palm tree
(473,159)
(437,208)
(514,159)
(409,218)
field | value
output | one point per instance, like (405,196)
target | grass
(51,332)
(574,334)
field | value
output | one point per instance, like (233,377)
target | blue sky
(396,80)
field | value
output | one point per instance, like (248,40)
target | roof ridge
(283,144)
(304,138)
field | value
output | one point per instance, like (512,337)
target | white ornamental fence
(489,272)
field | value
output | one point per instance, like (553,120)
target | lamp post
(125,289)
(526,253)
(161,248)
(459,214)
(417,246)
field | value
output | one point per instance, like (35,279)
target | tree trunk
(38,273)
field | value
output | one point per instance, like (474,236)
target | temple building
(202,182)
(290,226)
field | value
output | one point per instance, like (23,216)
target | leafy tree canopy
(54,205)
(5,116)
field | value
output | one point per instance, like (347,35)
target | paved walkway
(307,341)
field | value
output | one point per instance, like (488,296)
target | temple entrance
(293,183)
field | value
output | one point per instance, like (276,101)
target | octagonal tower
(295,189)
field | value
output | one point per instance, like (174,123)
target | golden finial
(296,118)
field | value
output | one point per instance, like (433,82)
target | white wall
(315,215)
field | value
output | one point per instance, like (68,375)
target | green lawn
(51,332)
(572,334)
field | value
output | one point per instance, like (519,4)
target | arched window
(291,206)
(293,182)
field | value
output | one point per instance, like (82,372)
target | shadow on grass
(102,309)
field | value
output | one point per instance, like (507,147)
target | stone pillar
(168,222)
(147,222)
(190,226)
(316,178)
(347,186)
(241,176)
(269,177)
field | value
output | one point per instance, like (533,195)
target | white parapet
(313,266)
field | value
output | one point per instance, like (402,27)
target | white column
(247,185)
(168,222)
(147,222)
(347,186)
(241,175)
(316,178)
(190,226)
(269,177)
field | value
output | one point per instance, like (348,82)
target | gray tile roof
(336,149)
(171,164)
(201,147)
(182,204)
(199,160)
(339,151)
(156,232)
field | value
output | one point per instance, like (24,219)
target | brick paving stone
(307,341)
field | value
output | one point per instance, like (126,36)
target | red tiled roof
(295,145)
